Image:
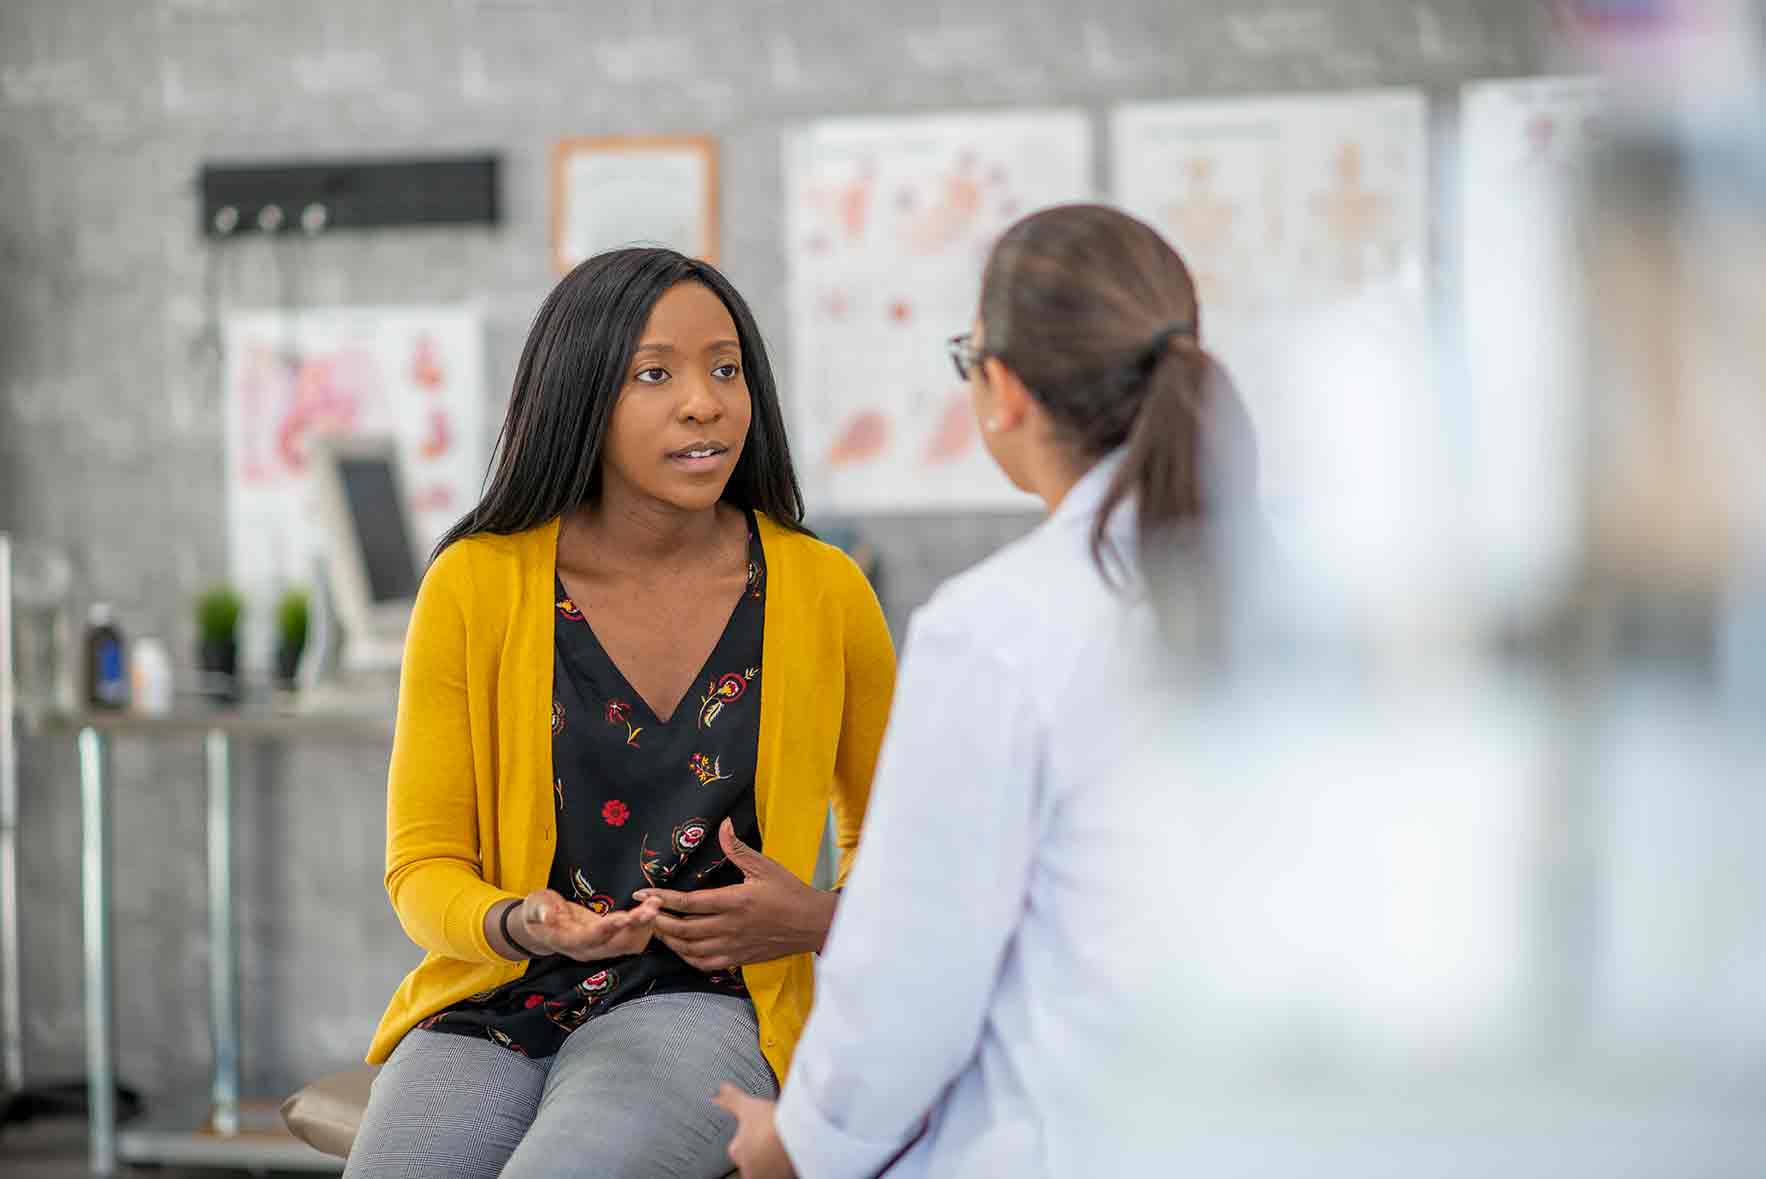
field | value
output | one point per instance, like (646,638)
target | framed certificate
(620,190)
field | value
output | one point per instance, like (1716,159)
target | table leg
(99,981)
(223,978)
(12,1027)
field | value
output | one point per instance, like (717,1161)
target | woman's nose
(701,404)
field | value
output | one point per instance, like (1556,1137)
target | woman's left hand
(771,914)
(756,1149)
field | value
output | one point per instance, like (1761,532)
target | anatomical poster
(1271,201)
(415,374)
(889,223)
(1525,146)
(1289,211)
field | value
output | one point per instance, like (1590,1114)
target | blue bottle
(107,664)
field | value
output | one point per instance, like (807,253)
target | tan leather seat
(327,1113)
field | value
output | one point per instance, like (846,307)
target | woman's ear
(1008,401)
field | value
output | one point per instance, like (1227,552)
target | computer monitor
(371,561)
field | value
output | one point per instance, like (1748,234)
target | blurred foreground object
(1456,875)
(1678,254)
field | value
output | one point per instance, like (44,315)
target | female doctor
(989,962)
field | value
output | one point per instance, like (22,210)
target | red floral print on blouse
(689,835)
(689,772)
(596,902)
(501,1037)
(658,868)
(620,713)
(726,690)
(651,863)
(707,769)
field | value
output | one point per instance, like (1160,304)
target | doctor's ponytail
(1098,317)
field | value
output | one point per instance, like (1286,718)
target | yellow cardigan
(469,814)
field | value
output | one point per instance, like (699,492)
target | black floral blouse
(639,802)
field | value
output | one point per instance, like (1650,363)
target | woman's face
(682,416)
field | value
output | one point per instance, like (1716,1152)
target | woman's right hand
(546,923)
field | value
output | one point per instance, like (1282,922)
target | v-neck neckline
(624,681)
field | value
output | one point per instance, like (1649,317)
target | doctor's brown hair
(1098,317)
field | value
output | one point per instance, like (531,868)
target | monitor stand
(372,655)
(352,674)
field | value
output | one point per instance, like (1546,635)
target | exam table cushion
(326,1114)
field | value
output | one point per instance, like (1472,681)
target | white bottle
(150,667)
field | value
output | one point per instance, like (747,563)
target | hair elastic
(1162,339)
(503,921)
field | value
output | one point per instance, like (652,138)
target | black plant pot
(287,663)
(219,662)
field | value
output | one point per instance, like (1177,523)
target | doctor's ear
(1009,402)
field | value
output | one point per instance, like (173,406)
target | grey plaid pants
(627,1097)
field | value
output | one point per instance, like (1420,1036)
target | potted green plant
(217,631)
(291,633)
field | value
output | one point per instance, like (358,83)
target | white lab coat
(982,976)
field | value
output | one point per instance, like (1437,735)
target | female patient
(629,668)
(996,930)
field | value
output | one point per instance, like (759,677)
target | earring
(991,425)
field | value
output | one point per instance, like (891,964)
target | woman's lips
(699,456)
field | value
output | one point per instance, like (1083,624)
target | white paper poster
(1523,147)
(1284,208)
(414,373)
(1281,201)
(644,191)
(889,224)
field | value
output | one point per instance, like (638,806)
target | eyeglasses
(964,354)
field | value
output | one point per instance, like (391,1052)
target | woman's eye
(726,372)
(652,375)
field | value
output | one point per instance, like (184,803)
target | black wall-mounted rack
(314,196)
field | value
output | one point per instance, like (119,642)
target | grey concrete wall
(110,423)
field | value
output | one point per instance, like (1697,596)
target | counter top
(269,719)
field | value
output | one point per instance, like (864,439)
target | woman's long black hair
(548,456)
